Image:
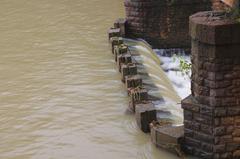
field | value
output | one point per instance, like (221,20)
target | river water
(60,94)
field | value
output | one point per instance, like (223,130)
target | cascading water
(156,81)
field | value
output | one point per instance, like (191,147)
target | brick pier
(163,23)
(212,111)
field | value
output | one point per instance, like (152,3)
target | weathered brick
(236,132)
(145,17)
(226,139)
(232,146)
(227,120)
(236,154)
(192,142)
(219,131)
(219,148)
(203,137)
(188,115)
(215,86)
(226,155)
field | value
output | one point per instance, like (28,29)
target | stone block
(190,104)
(115,41)
(226,155)
(236,132)
(128,70)
(236,154)
(192,142)
(123,59)
(188,132)
(204,137)
(133,81)
(121,24)
(145,114)
(168,137)
(114,32)
(232,146)
(192,125)
(120,49)
(227,121)
(219,148)
(226,139)
(206,147)
(137,95)
(206,129)
(202,154)
(219,131)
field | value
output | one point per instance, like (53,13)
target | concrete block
(145,114)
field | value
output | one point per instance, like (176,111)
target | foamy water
(171,65)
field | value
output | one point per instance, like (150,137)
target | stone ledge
(168,137)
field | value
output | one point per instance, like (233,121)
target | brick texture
(212,111)
(163,23)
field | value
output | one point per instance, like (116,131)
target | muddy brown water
(60,94)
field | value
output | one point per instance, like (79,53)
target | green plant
(184,65)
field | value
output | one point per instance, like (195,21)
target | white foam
(171,65)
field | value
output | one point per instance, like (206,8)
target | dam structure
(211,112)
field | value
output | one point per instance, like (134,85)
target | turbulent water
(60,94)
(156,82)
(171,65)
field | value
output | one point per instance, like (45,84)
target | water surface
(60,94)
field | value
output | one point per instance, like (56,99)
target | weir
(211,112)
(155,80)
(156,107)
(60,94)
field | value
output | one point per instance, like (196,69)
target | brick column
(212,111)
